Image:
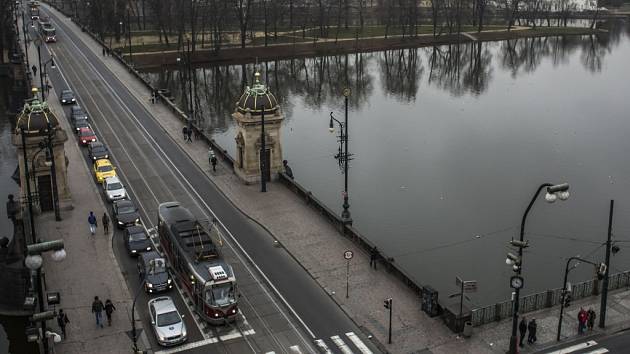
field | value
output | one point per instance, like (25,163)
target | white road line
(188,346)
(574,348)
(598,351)
(295,349)
(322,346)
(341,345)
(270,353)
(358,343)
(191,188)
(199,198)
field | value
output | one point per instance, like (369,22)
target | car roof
(66,91)
(86,129)
(124,202)
(96,144)
(135,229)
(112,179)
(76,108)
(147,256)
(163,304)
(102,162)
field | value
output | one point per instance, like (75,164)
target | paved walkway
(315,244)
(90,268)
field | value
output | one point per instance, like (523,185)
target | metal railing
(545,299)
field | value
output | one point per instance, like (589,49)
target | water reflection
(449,141)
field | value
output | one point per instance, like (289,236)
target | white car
(114,189)
(166,321)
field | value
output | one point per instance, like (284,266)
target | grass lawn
(379,31)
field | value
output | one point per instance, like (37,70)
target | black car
(152,267)
(77,112)
(67,97)
(125,213)
(78,124)
(98,150)
(137,240)
(78,118)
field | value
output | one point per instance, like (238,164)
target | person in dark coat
(522,328)
(62,320)
(531,338)
(185,132)
(109,309)
(213,161)
(287,170)
(97,310)
(189,132)
(373,257)
(105,221)
(591,318)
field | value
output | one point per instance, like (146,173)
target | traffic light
(601,271)
(566,299)
(388,303)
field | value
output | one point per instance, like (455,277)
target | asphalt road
(617,343)
(283,307)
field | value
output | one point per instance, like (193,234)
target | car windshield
(98,149)
(221,294)
(157,266)
(114,186)
(126,210)
(86,133)
(168,318)
(137,237)
(105,168)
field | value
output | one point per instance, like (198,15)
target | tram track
(108,127)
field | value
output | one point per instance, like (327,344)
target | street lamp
(50,61)
(263,151)
(566,292)
(34,262)
(133,314)
(557,191)
(343,155)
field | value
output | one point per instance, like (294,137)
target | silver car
(114,189)
(166,321)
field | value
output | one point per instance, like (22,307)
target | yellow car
(103,169)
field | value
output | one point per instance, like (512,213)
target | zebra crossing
(581,348)
(349,343)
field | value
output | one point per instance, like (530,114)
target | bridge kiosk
(39,133)
(256,111)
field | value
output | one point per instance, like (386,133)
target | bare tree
(242,8)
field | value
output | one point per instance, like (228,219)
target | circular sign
(346,92)
(516,282)
(348,254)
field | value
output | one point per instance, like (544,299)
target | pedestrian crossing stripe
(324,348)
(358,343)
(574,348)
(341,344)
(598,351)
(295,349)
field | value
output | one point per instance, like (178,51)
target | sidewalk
(90,268)
(319,248)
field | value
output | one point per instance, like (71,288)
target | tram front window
(221,294)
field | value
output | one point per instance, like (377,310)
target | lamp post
(34,262)
(601,272)
(50,132)
(120,30)
(39,59)
(133,315)
(50,61)
(28,188)
(25,40)
(554,192)
(129,35)
(263,152)
(344,155)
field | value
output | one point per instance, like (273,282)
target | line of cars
(168,324)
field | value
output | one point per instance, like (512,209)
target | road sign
(348,255)
(470,286)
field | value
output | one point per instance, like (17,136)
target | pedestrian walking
(189,134)
(582,318)
(105,221)
(109,309)
(185,132)
(373,257)
(522,328)
(213,160)
(97,310)
(92,222)
(591,318)
(531,327)
(103,51)
(62,321)
(287,170)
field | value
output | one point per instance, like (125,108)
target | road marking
(358,343)
(190,188)
(322,346)
(187,346)
(295,349)
(598,351)
(573,348)
(341,345)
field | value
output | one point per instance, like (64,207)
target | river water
(450,143)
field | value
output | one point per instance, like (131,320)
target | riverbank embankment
(321,46)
